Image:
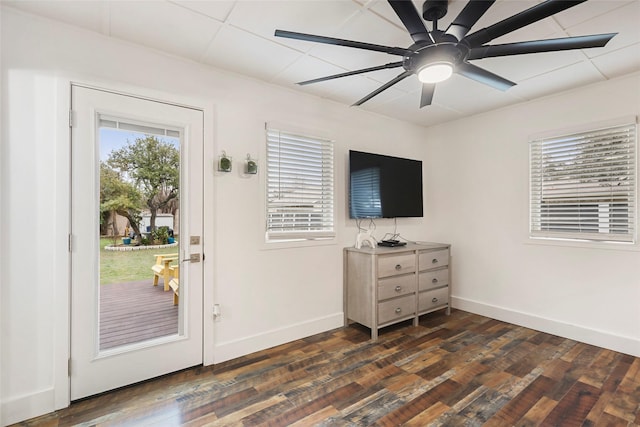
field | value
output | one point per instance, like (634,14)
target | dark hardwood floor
(460,370)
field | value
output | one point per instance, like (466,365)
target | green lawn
(129,266)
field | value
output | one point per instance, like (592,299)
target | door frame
(61,392)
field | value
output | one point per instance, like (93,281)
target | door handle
(192,258)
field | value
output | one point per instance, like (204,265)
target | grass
(129,266)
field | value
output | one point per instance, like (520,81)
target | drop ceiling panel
(307,68)
(371,28)
(405,108)
(236,50)
(382,9)
(353,87)
(163,26)
(351,59)
(521,67)
(218,10)
(619,62)
(501,10)
(347,90)
(407,85)
(624,20)
(594,9)
(469,97)
(364,27)
(351,90)
(504,9)
(311,17)
(560,80)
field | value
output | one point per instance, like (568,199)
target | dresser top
(409,247)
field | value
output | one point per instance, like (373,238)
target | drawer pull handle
(398,266)
(398,310)
(434,261)
(398,288)
(434,280)
(434,300)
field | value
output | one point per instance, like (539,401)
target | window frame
(595,229)
(302,237)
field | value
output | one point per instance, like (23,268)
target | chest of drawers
(383,286)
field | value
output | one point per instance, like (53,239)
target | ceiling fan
(435,55)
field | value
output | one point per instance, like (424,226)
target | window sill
(583,244)
(298,243)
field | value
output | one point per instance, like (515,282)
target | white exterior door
(112,291)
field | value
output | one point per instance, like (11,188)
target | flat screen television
(384,186)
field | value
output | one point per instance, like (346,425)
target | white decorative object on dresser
(384,285)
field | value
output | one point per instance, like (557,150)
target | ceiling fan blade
(536,46)
(483,76)
(340,42)
(519,20)
(411,19)
(352,73)
(384,87)
(468,17)
(427,94)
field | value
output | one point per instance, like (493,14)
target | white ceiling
(238,36)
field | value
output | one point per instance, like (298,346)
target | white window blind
(129,125)
(299,187)
(583,185)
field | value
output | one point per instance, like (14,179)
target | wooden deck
(135,311)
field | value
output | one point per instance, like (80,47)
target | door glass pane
(139,232)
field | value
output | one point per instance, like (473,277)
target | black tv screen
(384,186)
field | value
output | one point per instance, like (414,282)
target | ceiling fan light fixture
(435,55)
(435,72)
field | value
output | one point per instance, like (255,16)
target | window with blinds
(299,187)
(583,185)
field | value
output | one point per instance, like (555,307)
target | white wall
(268,296)
(477,175)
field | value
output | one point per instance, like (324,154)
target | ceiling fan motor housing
(446,52)
(432,10)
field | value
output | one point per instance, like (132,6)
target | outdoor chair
(174,283)
(162,268)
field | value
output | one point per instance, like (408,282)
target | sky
(113,139)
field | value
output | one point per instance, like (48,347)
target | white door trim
(61,390)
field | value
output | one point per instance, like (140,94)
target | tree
(153,166)
(120,197)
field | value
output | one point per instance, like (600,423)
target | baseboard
(28,406)
(595,337)
(231,349)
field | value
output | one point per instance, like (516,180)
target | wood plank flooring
(458,370)
(135,311)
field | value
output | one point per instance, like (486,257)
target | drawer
(433,299)
(391,265)
(433,259)
(396,309)
(433,279)
(396,286)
